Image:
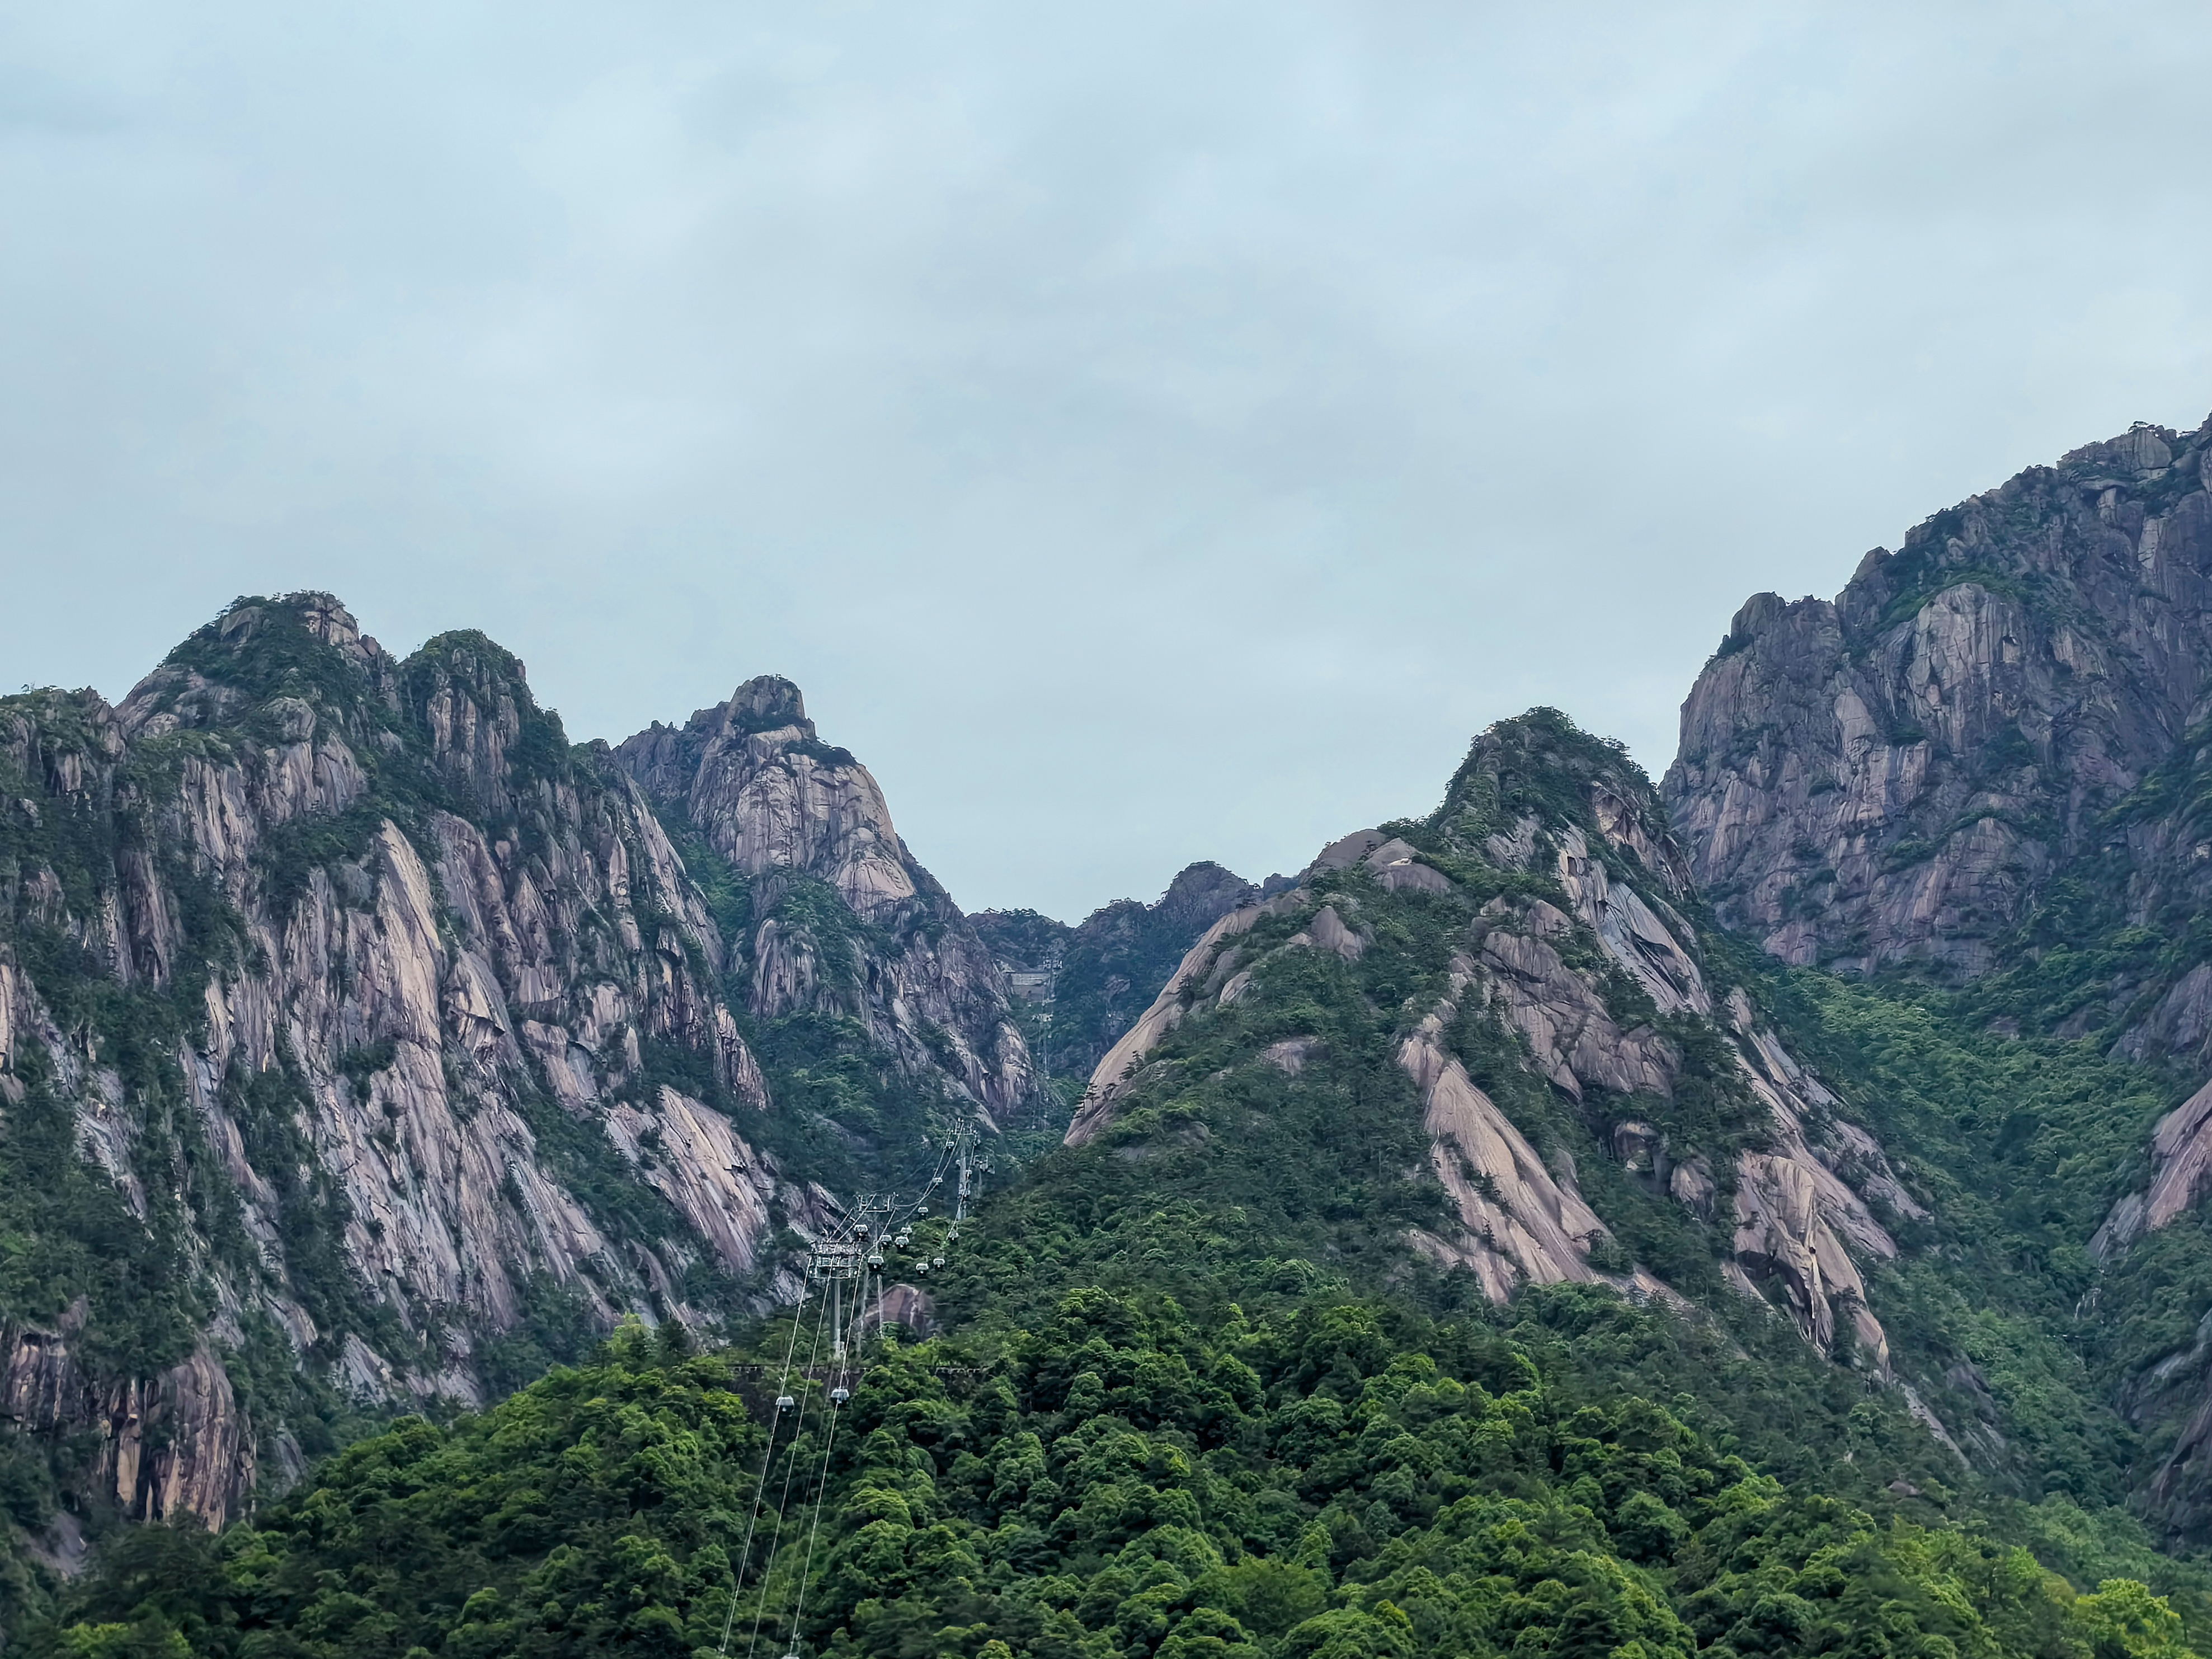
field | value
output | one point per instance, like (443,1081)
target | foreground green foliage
(1339,1481)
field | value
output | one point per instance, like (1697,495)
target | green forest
(1343,1479)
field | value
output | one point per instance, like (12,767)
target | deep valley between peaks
(1760,1213)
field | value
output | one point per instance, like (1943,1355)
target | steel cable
(783,1504)
(760,1485)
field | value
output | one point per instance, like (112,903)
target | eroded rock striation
(1895,775)
(368,1027)
(1551,894)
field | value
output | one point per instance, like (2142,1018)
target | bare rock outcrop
(2181,1176)
(909,1305)
(1110,1078)
(391,931)
(1571,1034)
(170,1445)
(1631,930)
(1782,1236)
(692,1156)
(1797,1220)
(1894,775)
(1519,1224)
(783,807)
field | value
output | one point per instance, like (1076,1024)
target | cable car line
(821,1490)
(785,1402)
(760,1485)
(853,1249)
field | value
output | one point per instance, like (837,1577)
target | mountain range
(366,1047)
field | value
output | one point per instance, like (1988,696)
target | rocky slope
(799,820)
(1983,763)
(1529,951)
(1900,775)
(362,1042)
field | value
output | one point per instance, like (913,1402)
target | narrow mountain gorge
(1760,1214)
(1112,963)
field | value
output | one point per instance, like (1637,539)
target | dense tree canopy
(1117,1483)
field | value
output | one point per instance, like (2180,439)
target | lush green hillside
(1475,1249)
(365,1047)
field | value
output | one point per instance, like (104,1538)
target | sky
(1148,432)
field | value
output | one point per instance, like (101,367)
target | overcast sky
(1147,432)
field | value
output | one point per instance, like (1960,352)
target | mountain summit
(1900,775)
(409,1048)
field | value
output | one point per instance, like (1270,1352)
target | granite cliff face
(362,1041)
(788,813)
(1899,775)
(1985,763)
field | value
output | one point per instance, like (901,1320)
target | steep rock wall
(376,996)
(765,794)
(1895,775)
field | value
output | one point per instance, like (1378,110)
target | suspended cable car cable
(783,1504)
(760,1485)
(814,1529)
(852,1247)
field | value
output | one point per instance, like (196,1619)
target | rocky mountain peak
(1896,775)
(303,648)
(424,998)
(769,702)
(1541,768)
(795,816)
(2143,450)
(454,1036)
(1529,948)
(487,734)
(322,616)
(667,761)
(1202,893)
